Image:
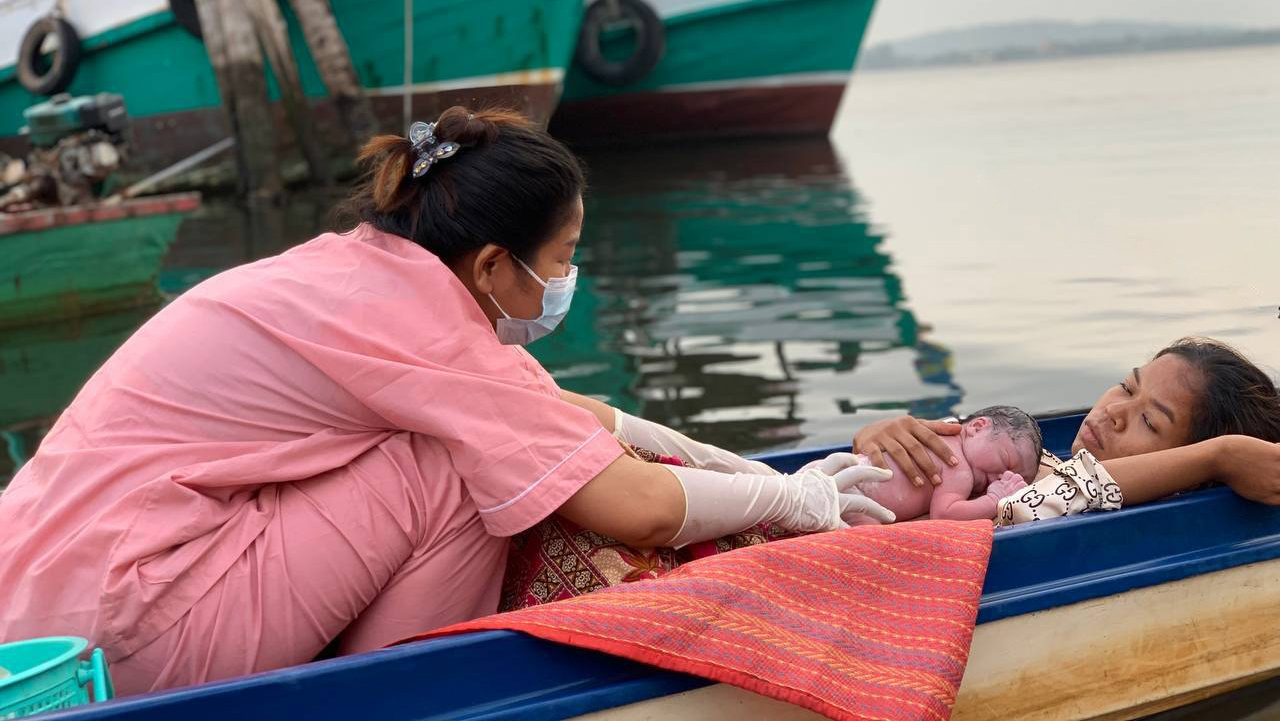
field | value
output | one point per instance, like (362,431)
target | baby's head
(999,439)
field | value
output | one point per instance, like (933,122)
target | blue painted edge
(505,675)
(1067,560)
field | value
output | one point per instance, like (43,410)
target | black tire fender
(32,72)
(651,41)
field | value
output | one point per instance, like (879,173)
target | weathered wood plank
(233,51)
(269,25)
(333,59)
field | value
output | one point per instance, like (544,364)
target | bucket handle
(95,670)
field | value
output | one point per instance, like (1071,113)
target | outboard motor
(76,143)
(64,115)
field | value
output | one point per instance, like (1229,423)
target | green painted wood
(160,68)
(75,270)
(784,37)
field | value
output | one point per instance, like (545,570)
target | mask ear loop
(504,313)
(500,310)
(529,270)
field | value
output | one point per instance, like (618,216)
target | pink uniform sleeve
(545,451)
(518,448)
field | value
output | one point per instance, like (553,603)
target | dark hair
(510,184)
(1017,423)
(1236,396)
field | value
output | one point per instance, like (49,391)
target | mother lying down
(1197,412)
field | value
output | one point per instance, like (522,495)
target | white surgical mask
(556,297)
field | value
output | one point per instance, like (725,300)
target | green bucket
(44,674)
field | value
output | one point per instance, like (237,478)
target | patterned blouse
(1076,486)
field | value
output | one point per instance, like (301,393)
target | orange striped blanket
(872,622)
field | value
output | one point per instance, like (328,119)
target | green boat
(42,366)
(730,67)
(60,263)
(513,52)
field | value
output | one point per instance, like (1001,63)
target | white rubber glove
(837,462)
(809,500)
(660,439)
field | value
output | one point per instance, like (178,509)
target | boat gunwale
(529,678)
(38,219)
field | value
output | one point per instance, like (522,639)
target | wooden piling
(234,52)
(333,60)
(268,24)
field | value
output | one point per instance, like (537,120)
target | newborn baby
(998,448)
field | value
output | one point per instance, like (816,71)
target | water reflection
(733,290)
(42,367)
(730,290)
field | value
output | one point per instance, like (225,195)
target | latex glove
(836,462)
(843,460)
(660,439)
(1009,484)
(809,500)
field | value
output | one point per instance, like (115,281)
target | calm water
(1017,234)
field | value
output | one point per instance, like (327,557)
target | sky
(897,19)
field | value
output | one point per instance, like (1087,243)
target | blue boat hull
(1035,568)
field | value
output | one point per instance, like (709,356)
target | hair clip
(423,137)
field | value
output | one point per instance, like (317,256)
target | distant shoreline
(882,58)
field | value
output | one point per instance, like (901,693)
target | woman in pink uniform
(336,442)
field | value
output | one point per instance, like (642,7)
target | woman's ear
(484,266)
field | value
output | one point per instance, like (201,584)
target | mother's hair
(1236,396)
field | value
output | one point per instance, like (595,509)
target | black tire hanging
(48,78)
(651,41)
(187,17)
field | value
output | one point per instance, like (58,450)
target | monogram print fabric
(1079,485)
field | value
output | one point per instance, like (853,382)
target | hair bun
(388,158)
(481,127)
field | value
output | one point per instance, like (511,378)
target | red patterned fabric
(871,622)
(557,559)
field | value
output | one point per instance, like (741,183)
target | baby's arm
(951,499)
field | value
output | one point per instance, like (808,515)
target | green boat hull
(76,270)
(789,82)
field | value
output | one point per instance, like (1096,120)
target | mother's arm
(1251,467)
(1154,475)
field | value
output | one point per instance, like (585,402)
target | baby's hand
(1008,484)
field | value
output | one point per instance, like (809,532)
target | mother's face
(1150,410)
